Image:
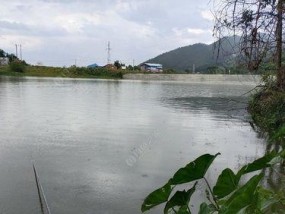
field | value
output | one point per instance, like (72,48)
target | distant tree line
(15,64)
(120,65)
(11,57)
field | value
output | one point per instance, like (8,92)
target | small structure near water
(4,60)
(151,67)
(110,67)
(93,66)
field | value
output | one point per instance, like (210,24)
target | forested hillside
(202,56)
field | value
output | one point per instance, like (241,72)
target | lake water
(103,146)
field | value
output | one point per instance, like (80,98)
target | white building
(4,60)
(151,67)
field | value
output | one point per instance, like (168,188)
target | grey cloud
(94,3)
(23,7)
(164,15)
(24,29)
(13,25)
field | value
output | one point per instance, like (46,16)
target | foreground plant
(227,196)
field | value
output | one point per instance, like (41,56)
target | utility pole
(21,52)
(109,53)
(133,64)
(193,68)
(16,50)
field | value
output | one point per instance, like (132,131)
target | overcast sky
(58,32)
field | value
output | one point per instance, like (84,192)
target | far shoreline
(83,73)
(226,79)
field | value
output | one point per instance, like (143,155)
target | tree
(2,53)
(259,23)
(17,66)
(12,57)
(117,64)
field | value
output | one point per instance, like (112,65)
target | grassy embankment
(70,72)
(267,108)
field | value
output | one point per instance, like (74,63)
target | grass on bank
(20,70)
(70,72)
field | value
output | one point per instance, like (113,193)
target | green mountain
(203,56)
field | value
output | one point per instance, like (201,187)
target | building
(151,67)
(93,66)
(4,60)
(110,67)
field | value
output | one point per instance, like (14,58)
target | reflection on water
(81,134)
(222,107)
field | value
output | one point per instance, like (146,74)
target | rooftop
(153,64)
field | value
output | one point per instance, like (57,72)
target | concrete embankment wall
(198,78)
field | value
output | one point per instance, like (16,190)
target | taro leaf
(276,160)
(227,183)
(206,209)
(157,197)
(258,164)
(242,198)
(194,170)
(264,200)
(183,210)
(180,199)
(265,204)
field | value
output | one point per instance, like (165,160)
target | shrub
(267,108)
(17,66)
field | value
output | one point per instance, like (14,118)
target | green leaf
(206,209)
(258,164)
(194,170)
(242,198)
(266,198)
(227,183)
(282,154)
(279,134)
(180,198)
(157,197)
(276,160)
(183,210)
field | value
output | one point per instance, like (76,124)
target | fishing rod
(41,194)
